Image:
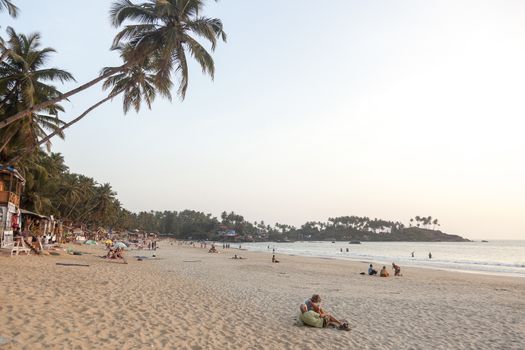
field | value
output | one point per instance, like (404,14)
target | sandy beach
(189,299)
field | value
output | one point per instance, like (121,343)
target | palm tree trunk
(47,103)
(65,126)
(7,141)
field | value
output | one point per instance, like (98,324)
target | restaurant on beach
(18,224)
(11,185)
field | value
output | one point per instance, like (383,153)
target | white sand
(214,302)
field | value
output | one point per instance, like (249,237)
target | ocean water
(494,257)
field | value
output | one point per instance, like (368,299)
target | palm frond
(125,10)
(209,28)
(10,7)
(201,56)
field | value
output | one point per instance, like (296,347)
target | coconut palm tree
(42,173)
(24,83)
(166,29)
(137,84)
(9,6)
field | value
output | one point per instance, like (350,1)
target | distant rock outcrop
(416,234)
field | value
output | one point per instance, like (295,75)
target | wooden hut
(38,229)
(11,185)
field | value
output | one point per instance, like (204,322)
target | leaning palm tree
(24,83)
(9,6)
(166,29)
(136,84)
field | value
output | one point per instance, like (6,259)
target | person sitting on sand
(312,318)
(371,270)
(314,305)
(212,249)
(119,254)
(397,269)
(111,253)
(383,272)
(116,253)
(237,257)
(274,260)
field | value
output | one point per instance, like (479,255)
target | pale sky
(386,109)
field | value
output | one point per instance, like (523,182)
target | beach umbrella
(119,245)
(108,241)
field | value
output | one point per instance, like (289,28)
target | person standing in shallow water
(430,255)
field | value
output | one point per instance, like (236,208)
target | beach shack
(39,230)
(11,185)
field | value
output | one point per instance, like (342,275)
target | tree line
(52,189)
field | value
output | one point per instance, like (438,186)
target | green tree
(24,83)
(164,29)
(435,223)
(137,84)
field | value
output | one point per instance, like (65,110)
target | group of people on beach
(384,272)
(237,257)
(413,254)
(115,252)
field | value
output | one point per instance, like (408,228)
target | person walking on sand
(397,269)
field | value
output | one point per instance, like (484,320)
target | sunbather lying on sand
(237,257)
(313,315)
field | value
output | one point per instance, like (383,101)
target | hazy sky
(387,109)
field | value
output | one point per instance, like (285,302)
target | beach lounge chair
(20,246)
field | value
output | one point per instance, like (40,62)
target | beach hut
(38,229)
(11,185)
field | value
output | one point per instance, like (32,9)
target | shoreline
(384,262)
(188,298)
(462,266)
